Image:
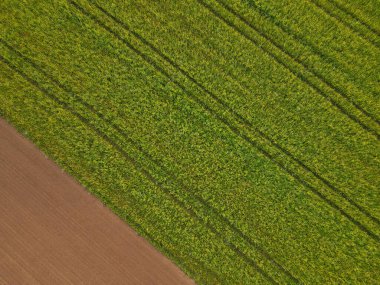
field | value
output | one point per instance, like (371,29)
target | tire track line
(296,73)
(302,40)
(142,170)
(307,67)
(247,123)
(348,12)
(249,241)
(345,23)
(215,52)
(136,225)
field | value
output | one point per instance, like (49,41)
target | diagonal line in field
(296,73)
(137,226)
(347,24)
(145,172)
(236,131)
(299,62)
(348,12)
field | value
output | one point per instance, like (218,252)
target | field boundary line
(306,66)
(132,222)
(345,23)
(139,168)
(247,123)
(147,174)
(297,74)
(151,158)
(97,133)
(139,148)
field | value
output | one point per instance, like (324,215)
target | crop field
(240,137)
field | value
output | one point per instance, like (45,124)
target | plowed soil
(54,232)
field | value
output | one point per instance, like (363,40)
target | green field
(240,137)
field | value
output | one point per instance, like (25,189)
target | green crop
(241,138)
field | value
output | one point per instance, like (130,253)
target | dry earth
(54,232)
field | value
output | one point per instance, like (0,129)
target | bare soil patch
(54,232)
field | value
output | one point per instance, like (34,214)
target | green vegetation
(241,138)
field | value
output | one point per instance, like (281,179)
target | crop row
(315,132)
(245,122)
(149,117)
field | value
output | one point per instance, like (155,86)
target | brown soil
(54,232)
